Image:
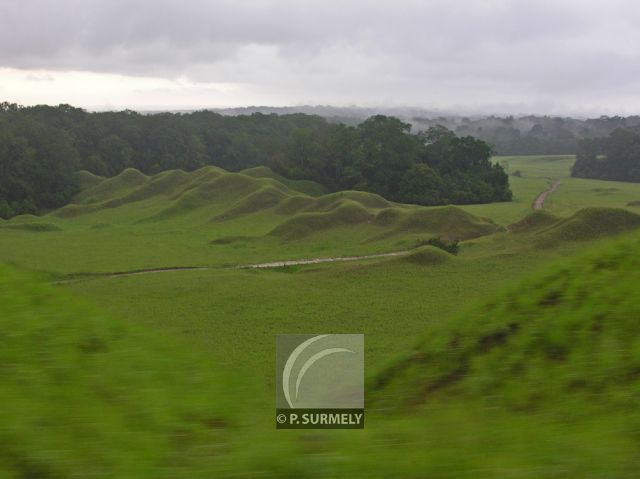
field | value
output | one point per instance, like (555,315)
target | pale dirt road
(273,264)
(280,264)
(538,204)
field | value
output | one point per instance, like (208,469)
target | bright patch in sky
(113,91)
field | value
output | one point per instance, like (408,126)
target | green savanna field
(519,357)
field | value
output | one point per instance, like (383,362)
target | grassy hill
(516,376)
(545,374)
(540,380)
(571,330)
(211,217)
(546,229)
(310,188)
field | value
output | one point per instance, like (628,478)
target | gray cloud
(531,54)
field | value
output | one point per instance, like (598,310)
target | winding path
(279,264)
(274,264)
(539,201)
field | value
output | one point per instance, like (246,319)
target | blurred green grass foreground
(542,380)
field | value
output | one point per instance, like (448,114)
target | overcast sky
(519,56)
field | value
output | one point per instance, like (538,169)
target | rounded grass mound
(199,177)
(590,224)
(567,338)
(535,221)
(211,188)
(73,210)
(305,224)
(369,200)
(227,185)
(261,172)
(85,395)
(113,187)
(449,222)
(294,204)
(26,218)
(264,198)
(334,200)
(307,187)
(326,203)
(132,186)
(166,183)
(389,216)
(87,180)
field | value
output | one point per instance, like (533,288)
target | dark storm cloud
(411,52)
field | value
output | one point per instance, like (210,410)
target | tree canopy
(615,157)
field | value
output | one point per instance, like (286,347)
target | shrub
(451,247)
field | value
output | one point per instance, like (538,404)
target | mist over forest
(524,134)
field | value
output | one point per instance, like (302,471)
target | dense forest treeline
(41,147)
(615,157)
(508,135)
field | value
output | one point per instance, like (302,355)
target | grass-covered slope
(176,218)
(253,204)
(534,221)
(449,222)
(113,187)
(84,395)
(593,223)
(346,212)
(307,187)
(540,381)
(571,333)
(86,179)
(547,230)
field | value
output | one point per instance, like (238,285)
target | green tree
(117,152)
(422,185)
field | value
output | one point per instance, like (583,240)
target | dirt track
(279,264)
(274,264)
(539,201)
